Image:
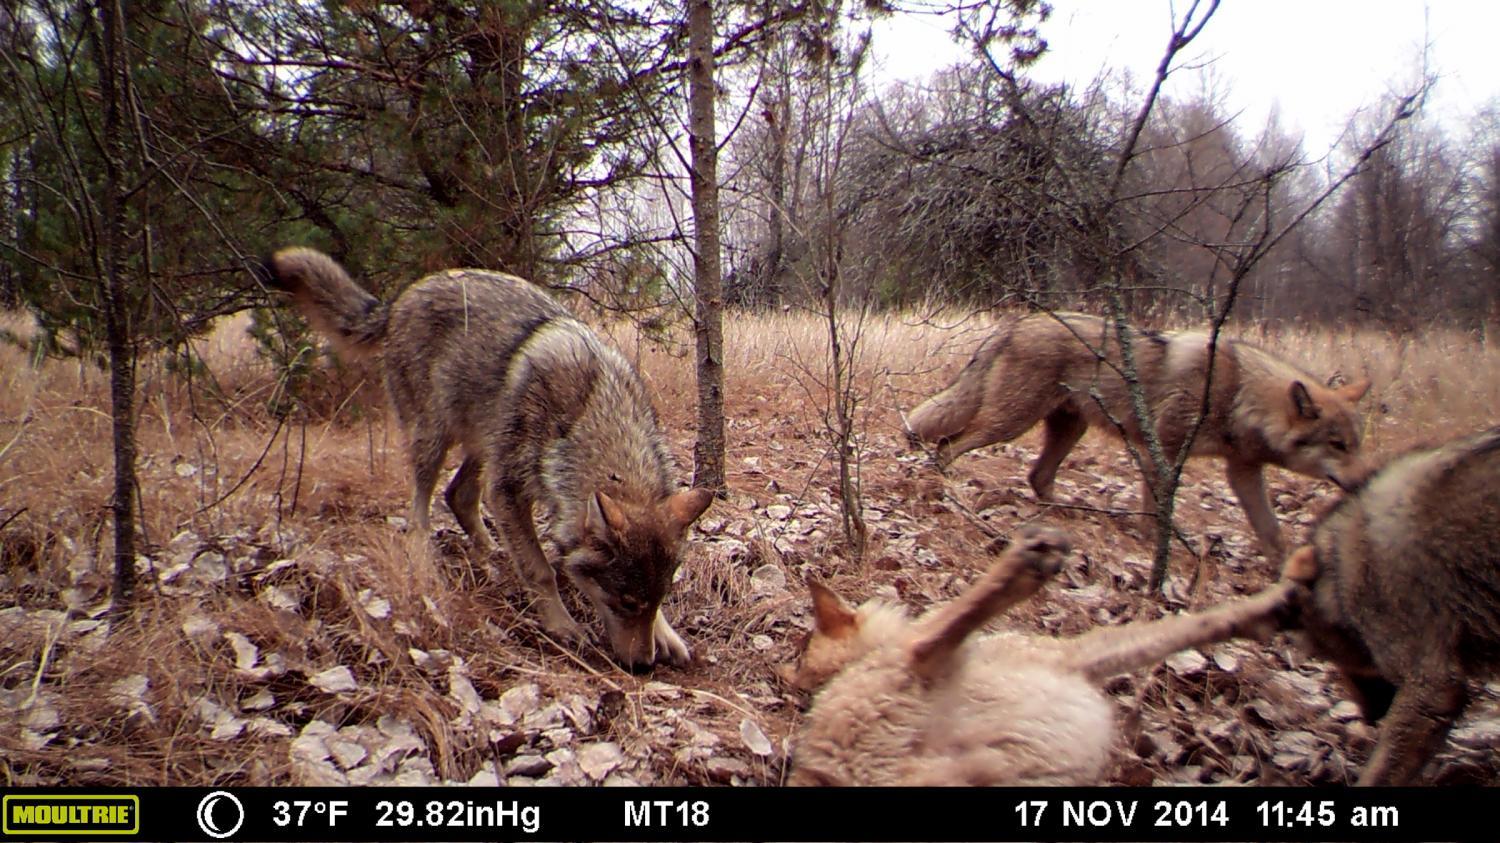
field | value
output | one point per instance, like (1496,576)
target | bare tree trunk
(1156,464)
(708,452)
(778,114)
(842,347)
(117,326)
(842,350)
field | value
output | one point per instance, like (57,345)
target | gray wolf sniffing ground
(1041,368)
(1406,596)
(544,413)
(920,702)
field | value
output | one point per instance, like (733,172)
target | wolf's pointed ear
(604,516)
(684,507)
(1302,401)
(1355,391)
(833,616)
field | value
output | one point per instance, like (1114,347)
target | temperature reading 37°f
(295,813)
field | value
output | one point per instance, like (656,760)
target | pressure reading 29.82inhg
(458,813)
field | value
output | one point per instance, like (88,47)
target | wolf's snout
(1349,479)
(633,643)
(638,659)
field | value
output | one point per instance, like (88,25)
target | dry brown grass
(285,537)
(1427,387)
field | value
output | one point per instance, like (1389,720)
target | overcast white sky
(1317,60)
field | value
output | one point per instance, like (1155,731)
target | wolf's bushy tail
(328,298)
(947,413)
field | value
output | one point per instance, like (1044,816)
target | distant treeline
(548,140)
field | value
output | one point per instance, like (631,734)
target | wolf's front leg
(1250,487)
(1416,727)
(513,516)
(669,643)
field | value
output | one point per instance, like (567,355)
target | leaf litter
(453,686)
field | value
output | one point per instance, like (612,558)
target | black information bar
(748,814)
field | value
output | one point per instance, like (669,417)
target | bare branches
(1173,198)
(1183,33)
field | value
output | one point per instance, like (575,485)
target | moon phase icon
(206,814)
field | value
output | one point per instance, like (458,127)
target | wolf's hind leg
(1012,396)
(1002,418)
(1032,558)
(1065,426)
(462,495)
(427,452)
(1414,729)
(1105,652)
(513,516)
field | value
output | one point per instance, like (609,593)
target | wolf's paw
(939,462)
(669,645)
(1041,549)
(913,443)
(561,626)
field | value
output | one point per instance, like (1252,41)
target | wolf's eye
(631,605)
(1338,445)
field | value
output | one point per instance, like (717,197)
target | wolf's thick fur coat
(921,702)
(1406,600)
(1060,370)
(545,414)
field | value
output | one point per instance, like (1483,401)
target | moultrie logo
(41,813)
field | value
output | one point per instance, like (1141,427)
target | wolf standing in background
(1261,409)
(1406,595)
(544,413)
(921,702)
